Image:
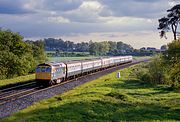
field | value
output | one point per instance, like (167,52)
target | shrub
(157,70)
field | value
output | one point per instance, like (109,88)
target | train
(51,73)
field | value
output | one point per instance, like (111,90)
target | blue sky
(131,21)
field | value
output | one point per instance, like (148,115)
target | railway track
(30,94)
(10,93)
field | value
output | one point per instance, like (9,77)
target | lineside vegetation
(163,68)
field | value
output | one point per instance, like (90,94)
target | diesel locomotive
(55,72)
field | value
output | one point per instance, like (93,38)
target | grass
(107,99)
(17,79)
(141,57)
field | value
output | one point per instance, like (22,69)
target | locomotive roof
(51,63)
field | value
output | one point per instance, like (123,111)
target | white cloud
(172,2)
(124,20)
(58,19)
(91,6)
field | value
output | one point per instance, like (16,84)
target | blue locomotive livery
(56,72)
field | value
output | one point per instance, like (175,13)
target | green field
(107,99)
(141,57)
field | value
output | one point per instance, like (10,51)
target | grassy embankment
(107,99)
(17,79)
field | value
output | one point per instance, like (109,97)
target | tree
(15,55)
(99,48)
(173,60)
(18,57)
(94,48)
(156,70)
(171,21)
(103,48)
(164,47)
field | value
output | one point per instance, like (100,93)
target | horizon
(84,20)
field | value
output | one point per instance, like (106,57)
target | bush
(157,70)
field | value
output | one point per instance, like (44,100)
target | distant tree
(164,47)
(94,48)
(121,47)
(171,21)
(103,48)
(112,47)
(82,47)
(99,48)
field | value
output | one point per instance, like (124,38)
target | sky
(133,22)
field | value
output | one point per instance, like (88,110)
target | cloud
(6,7)
(61,5)
(91,6)
(172,3)
(136,8)
(74,18)
(58,19)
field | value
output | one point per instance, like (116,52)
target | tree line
(18,57)
(94,48)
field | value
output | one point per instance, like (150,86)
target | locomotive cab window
(38,69)
(48,69)
(43,69)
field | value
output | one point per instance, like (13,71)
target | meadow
(107,98)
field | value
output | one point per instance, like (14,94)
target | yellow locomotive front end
(43,72)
